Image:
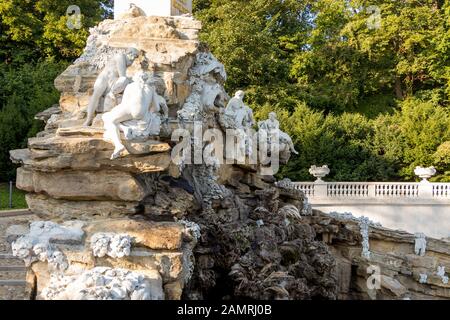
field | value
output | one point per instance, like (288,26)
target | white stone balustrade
(413,207)
(375,191)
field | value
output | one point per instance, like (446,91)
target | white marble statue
(133,12)
(149,125)
(442,274)
(272,125)
(206,63)
(364,224)
(420,244)
(110,244)
(111,82)
(103,283)
(237,115)
(209,95)
(138,100)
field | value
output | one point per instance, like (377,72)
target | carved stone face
(132,55)
(273,116)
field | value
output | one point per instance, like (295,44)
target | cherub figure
(420,244)
(239,117)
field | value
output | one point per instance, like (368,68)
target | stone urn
(319,172)
(425,173)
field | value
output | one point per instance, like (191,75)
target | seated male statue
(237,115)
(273,125)
(111,81)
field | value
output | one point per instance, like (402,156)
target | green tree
(32,29)
(424,126)
(24,92)
(361,49)
(35,46)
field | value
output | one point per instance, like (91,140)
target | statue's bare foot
(87,123)
(117,153)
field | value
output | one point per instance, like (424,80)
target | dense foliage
(362,86)
(33,29)
(36,45)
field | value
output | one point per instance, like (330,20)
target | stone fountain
(125,214)
(119,219)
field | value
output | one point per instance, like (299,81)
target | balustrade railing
(307,188)
(347,189)
(441,190)
(373,190)
(397,189)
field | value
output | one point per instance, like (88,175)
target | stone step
(13,268)
(13,283)
(15,213)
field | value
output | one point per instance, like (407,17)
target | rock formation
(401,273)
(127,207)
(150,227)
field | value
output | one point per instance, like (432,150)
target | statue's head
(132,54)
(141,77)
(272,116)
(240,95)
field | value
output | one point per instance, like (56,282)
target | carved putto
(420,244)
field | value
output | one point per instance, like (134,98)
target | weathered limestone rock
(60,210)
(82,185)
(156,236)
(403,273)
(63,254)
